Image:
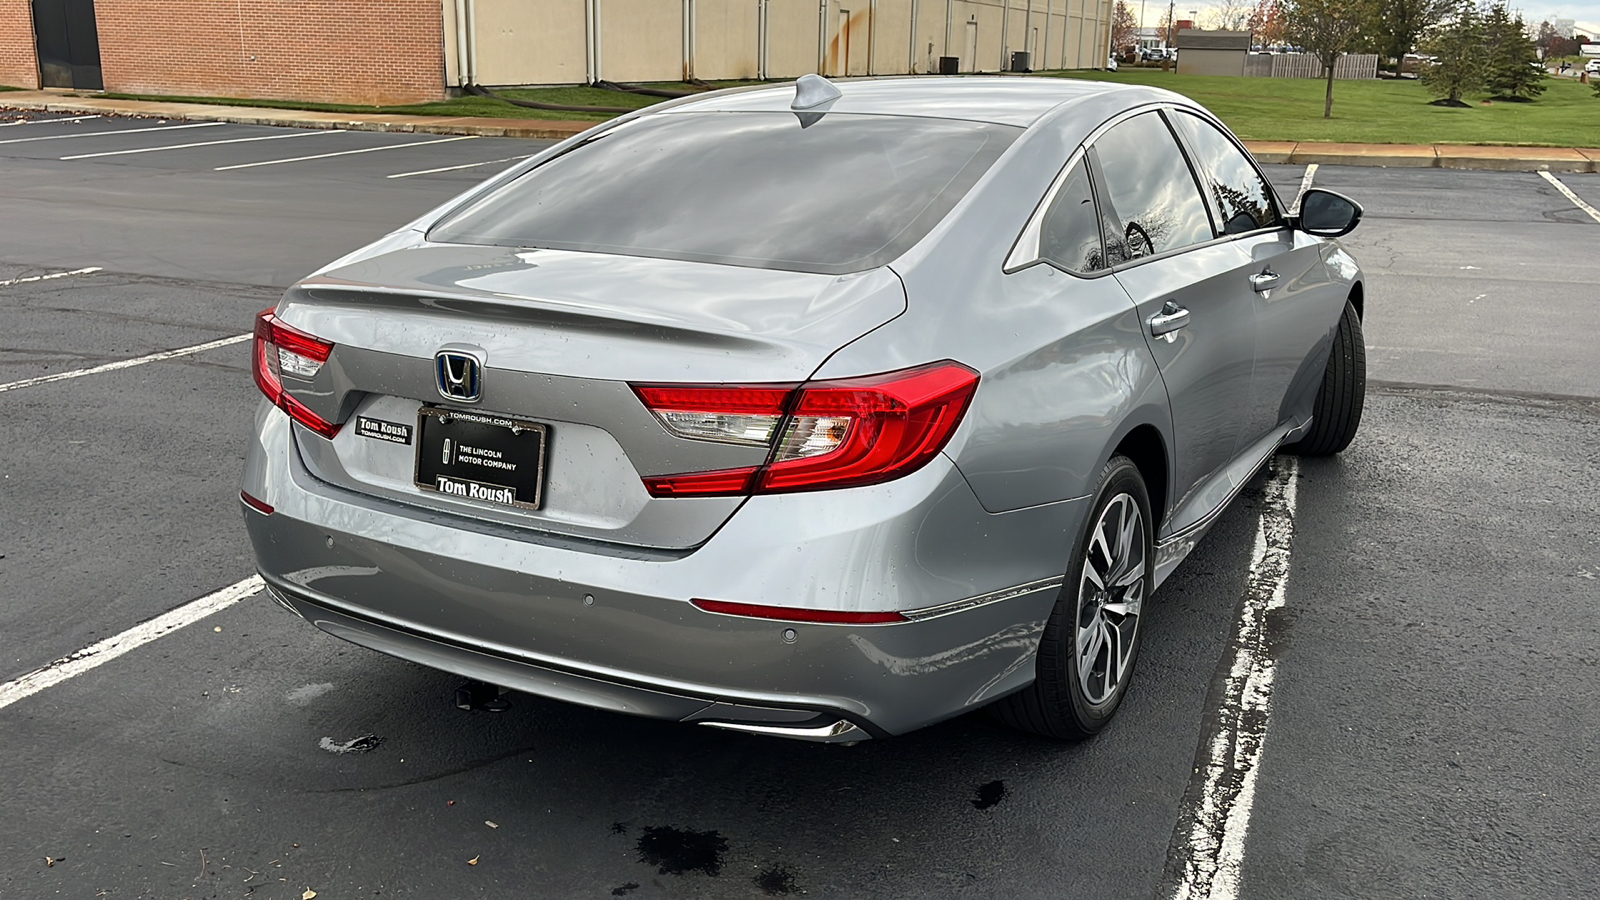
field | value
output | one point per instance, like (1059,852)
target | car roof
(1002,100)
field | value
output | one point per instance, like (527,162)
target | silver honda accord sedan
(820,411)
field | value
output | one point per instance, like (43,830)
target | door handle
(1170,319)
(1264,282)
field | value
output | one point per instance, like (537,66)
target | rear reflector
(829,434)
(281,350)
(795,614)
(255,504)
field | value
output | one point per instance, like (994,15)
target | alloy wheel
(1111,593)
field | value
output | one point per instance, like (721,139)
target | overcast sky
(1586,14)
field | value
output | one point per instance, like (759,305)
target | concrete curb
(1429,156)
(1416,156)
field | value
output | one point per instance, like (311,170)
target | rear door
(1197,316)
(1280,275)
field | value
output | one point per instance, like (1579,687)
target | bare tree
(1229,15)
(1124,29)
(1327,29)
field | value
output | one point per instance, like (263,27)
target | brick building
(401,51)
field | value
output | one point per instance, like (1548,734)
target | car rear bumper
(613,628)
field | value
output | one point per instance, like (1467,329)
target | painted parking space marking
(46,121)
(1208,847)
(63,137)
(97,654)
(1579,201)
(487,162)
(242,140)
(87,270)
(277,162)
(1305,185)
(125,363)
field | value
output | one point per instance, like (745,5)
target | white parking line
(243,140)
(105,651)
(488,162)
(1593,213)
(125,363)
(1305,185)
(63,137)
(45,121)
(1213,848)
(274,162)
(85,271)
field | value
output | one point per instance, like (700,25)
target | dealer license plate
(481,457)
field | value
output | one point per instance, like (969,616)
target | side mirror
(1327,214)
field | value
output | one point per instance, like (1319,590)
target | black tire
(1057,704)
(1337,413)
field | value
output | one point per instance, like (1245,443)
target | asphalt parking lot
(1433,661)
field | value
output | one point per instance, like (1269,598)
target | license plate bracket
(481,457)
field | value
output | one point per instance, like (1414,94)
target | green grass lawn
(1281,109)
(458,106)
(1380,111)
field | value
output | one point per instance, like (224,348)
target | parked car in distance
(1592,67)
(816,411)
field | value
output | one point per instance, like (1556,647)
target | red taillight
(277,345)
(795,614)
(828,434)
(257,505)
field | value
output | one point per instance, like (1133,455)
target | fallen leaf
(473,861)
(308,895)
(490,824)
(48,862)
(218,628)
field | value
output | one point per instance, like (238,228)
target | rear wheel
(1091,641)
(1337,413)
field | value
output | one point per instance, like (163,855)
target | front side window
(1070,233)
(1149,202)
(832,194)
(1240,197)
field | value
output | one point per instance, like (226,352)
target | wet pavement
(1431,730)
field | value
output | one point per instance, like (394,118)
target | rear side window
(833,194)
(1240,197)
(1070,233)
(1149,202)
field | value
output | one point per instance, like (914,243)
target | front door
(1197,315)
(68,44)
(1279,275)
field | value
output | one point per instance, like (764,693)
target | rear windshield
(834,193)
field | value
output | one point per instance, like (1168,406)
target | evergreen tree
(1462,59)
(1514,69)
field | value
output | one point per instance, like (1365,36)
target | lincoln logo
(458,374)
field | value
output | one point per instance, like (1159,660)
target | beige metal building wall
(528,43)
(726,39)
(506,42)
(791,38)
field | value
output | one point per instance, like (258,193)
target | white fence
(1304,65)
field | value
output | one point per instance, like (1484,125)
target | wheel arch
(1358,297)
(1145,446)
